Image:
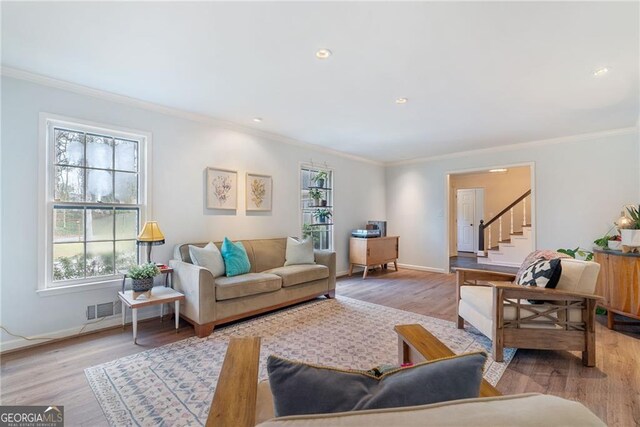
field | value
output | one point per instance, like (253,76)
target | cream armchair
(563,318)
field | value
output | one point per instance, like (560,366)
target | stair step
(505,241)
(526,225)
(517,233)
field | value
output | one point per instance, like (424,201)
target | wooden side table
(373,251)
(159,295)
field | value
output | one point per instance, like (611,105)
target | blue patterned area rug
(174,384)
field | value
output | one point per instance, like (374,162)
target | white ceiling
(476,74)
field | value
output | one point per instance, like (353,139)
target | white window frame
(46,202)
(324,167)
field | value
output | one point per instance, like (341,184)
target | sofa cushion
(236,260)
(246,284)
(296,274)
(208,257)
(299,252)
(299,388)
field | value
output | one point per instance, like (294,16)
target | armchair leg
(460,323)
(589,355)
(497,350)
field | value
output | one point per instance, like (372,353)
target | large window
(95,202)
(316,198)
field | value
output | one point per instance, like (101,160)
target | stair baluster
(524,212)
(511,229)
(499,230)
(490,242)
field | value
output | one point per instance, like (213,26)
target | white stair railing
(511,228)
(524,212)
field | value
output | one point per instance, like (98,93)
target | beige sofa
(270,285)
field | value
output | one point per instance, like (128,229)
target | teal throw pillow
(236,261)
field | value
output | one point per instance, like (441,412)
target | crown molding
(520,145)
(170,111)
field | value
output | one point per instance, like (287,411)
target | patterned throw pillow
(544,253)
(542,273)
(236,261)
(300,389)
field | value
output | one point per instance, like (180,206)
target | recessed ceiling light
(323,53)
(497,170)
(257,119)
(401,101)
(600,72)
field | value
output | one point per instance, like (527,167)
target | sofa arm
(328,259)
(197,284)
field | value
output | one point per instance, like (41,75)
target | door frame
(476,219)
(448,195)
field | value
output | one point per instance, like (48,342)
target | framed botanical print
(259,192)
(222,189)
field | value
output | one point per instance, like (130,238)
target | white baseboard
(107,323)
(421,268)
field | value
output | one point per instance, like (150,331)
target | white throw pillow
(299,252)
(208,257)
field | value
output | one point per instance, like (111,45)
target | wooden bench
(234,401)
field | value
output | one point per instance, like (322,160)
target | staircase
(502,241)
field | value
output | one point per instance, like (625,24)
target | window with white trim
(95,202)
(316,205)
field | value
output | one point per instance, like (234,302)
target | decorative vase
(320,182)
(615,245)
(630,237)
(142,285)
(316,202)
(323,203)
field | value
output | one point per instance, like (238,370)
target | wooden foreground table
(416,344)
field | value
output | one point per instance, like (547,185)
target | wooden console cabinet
(372,252)
(619,284)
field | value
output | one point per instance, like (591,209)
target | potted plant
(631,236)
(142,276)
(320,178)
(308,231)
(321,215)
(316,195)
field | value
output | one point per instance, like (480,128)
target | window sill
(81,287)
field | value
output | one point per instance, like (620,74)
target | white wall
(580,186)
(181,150)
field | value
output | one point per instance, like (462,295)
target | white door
(466,208)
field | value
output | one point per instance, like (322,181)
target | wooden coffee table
(159,295)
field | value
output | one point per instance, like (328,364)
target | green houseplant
(316,195)
(142,276)
(631,236)
(308,231)
(322,214)
(320,178)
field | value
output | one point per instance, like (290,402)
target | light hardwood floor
(53,374)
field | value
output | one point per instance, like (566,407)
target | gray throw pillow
(208,257)
(299,388)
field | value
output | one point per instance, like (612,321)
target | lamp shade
(151,234)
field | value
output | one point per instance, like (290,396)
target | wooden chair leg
(497,351)
(589,355)
(203,331)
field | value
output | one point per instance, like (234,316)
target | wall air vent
(105,309)
(91,312)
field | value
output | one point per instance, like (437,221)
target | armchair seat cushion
(296,274)
(480,299)
(246,284)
